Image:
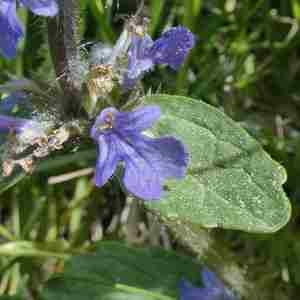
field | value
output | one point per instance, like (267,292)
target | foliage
(246,64)
(117,271)
(227,184)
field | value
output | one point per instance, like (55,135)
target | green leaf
(118,272)
(231,183)
(156,8)
(99,11)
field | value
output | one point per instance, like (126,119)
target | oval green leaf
(119,272)
(231,182)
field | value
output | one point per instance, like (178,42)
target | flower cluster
(147,162)
(135,54)
(213,289)
(120,136)
(144,53)
(10,27)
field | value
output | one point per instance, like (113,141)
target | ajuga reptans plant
(145,161)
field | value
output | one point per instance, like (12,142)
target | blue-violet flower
(147,161)
(10,27)
(213,289)
(170,49)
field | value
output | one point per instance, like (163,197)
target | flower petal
(47,8)
(167,155)
(210,279)
(140,178)
(107,159)
(11,123)
(139,62)
(189,292)
(172,47)
(10,28)
(138,120)
(148,162)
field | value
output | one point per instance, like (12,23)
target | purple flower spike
(147,161)
(10,27)
(170,49)
(213,289)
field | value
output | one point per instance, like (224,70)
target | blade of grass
(156,8)
(99,12)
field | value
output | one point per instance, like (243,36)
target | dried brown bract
(38,148)
(100,81)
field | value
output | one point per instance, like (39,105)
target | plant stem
(63,41)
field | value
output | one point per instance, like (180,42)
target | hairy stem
(63,41)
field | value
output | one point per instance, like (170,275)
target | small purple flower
(10,27)
(147,161)
(213,289)
(170,49)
